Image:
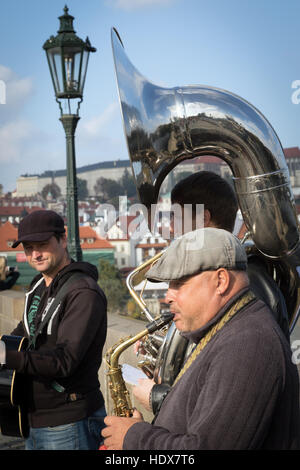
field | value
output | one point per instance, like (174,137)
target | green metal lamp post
(68,57)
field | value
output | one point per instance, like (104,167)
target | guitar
(13,415)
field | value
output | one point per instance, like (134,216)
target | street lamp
(68,57)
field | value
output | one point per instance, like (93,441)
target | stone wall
(11,310)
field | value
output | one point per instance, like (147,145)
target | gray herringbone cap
(206,249)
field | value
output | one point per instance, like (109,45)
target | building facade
(29,185)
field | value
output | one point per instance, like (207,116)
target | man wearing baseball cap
(65,322)
(238,389)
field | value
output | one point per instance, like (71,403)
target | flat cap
(205,249)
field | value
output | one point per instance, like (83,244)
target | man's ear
(223,280)
(64,240)
(207,218)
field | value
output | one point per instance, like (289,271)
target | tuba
(165,126)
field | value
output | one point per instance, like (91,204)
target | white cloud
(5,73)
(101,137)
(18,135)
(17,89)
(98,124)
(132,4)
(15,132)
(13,136)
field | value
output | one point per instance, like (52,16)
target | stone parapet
(11,310)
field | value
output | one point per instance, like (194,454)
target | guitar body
(13,413)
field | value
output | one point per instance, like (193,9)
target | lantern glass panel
(85,59)
(54,58)
(72,69)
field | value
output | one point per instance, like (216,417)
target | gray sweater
(241,392)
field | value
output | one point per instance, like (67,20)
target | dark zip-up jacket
(62,370)
(241,392)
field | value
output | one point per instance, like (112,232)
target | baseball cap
(39,226)
(216,248)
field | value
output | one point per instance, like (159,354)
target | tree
(111,283)
(127,183)
(53,189)
(82,191)
(108,188)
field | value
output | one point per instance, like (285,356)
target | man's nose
(170,296)
(35,253)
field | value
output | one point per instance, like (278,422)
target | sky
(248,47)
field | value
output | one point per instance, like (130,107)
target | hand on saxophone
(138,348)
(116,429)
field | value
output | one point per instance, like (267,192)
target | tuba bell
(165,126)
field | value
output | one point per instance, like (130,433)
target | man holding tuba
(238,388)
(220,209)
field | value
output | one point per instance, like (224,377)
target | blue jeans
(81,435)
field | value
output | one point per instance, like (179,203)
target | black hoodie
(62,370)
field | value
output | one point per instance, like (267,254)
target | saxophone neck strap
(240,303)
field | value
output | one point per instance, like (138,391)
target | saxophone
(118,390)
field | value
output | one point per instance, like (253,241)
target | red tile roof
(292,152)
(151,245)
(100,243)
(85,233)
(17,210)
(8,233)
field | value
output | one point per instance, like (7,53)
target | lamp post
(68,57)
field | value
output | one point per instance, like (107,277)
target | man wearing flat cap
(65,323)
(238,389)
